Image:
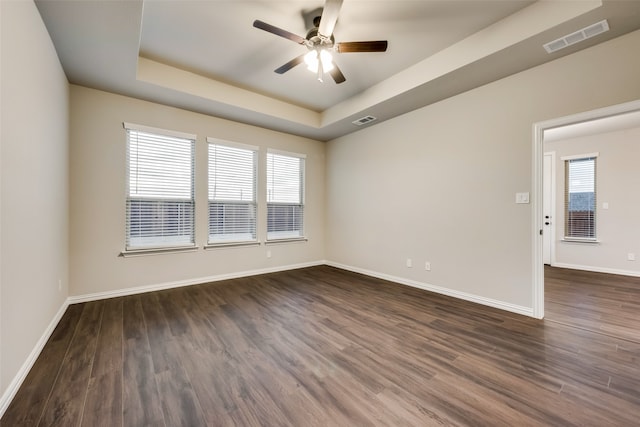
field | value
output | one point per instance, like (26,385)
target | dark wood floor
(599,302)
(322,347)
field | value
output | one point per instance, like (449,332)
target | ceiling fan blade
(279,31)
(369,46)
(337,75)
(329,17)
(289,65)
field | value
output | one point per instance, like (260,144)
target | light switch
(605,205)
(522,197)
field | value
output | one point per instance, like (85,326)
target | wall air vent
(364,120)
(578,36)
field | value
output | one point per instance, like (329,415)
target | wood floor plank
(413,411)
(164,321)
(103,404)
(66,402)
(325,347)
(141,405)
(179,401)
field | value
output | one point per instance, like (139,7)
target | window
(232,192)
(285,195)
(580,197)
(160,203)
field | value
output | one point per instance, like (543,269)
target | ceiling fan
(320,42)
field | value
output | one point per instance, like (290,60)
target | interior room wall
(618,226)
(34,196)
(98,186)
(438,184)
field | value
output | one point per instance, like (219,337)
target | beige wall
(34,179)
(98,202)
(617,181)
(438,184)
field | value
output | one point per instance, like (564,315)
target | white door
(547,206)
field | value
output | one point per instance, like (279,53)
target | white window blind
(232,193)
(580,198)
(285,196)
(160,203)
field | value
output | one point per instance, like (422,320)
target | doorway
(540,241)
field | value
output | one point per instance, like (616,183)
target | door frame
(552,206)
(538,153)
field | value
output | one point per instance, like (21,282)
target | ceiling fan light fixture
(320,42)
(311,59)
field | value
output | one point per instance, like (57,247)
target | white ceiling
(246,57)
(205,56)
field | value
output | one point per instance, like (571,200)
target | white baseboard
(14,386)
(526,311)
(597,269)
(180,283)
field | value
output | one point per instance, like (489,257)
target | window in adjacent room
(160,202)
(285,195)
(580,197)
(232,192)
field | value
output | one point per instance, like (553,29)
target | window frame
(159,204)
(283,236)
(212,243)
(568,235)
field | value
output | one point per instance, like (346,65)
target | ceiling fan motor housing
(315,40)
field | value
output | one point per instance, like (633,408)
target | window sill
(286,240)
(156,251)
(230,245)
(580,241)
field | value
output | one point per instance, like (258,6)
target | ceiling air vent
(364,120)
(578,36)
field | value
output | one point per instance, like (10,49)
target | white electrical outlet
(409,263)
(268,254)
(631,256)
(427,266)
